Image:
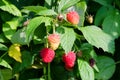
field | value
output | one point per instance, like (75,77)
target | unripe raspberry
(47,55)
(79,54)
(69,60)
(89,19)
(26,23)
(54,41)
(60,17)
(73,17)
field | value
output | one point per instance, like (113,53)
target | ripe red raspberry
(69,60)
(47,55)
(73,17)
(54,41)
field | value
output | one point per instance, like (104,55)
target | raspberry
(89,19)
(26,23)
(73,17)
(91,62)
(69,60)
(79,54)
(60,17)
(54,41)
(47,55)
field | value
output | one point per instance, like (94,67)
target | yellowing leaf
(14,52)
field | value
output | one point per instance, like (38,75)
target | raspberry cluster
(69,60)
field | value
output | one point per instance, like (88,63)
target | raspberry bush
(59,39)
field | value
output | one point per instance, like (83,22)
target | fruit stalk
(49,75)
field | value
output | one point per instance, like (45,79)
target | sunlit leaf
(34,23)
(81,8)
(85,70)
(14,52)
(9,7)
(35,9)
(47,12)
(95,36)
(64,4)
(67,39)
(9,28)
(4,63)
(3,47)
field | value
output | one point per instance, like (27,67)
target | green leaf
(34,23)
(3,47)
(57,69)
(10,27)
(47,12)
(95,36)
(111,24)
(5,16)
(3,39)
(67,39)
(102,13)
(39,34)
(104,2)
(48,2)
(64,4)
(81,8)
(26,61)
(35,9)
(5,72)
(106,68)
(86,72)
(88,51)
(19,37)
(12,9)
(5,64)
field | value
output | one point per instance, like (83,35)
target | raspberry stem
(53,29)
(44,72)
(49,76)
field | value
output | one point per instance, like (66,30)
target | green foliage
(19,37)
(106,66)
(64,4)
(104,2)
(7,6)
(10,27)
(5,64)
(25,26)
(67,39)
(100,15)
(111,24)
(34,23)
(26,62)
(86,72)
(3,47)
(98,38)
(81,8)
